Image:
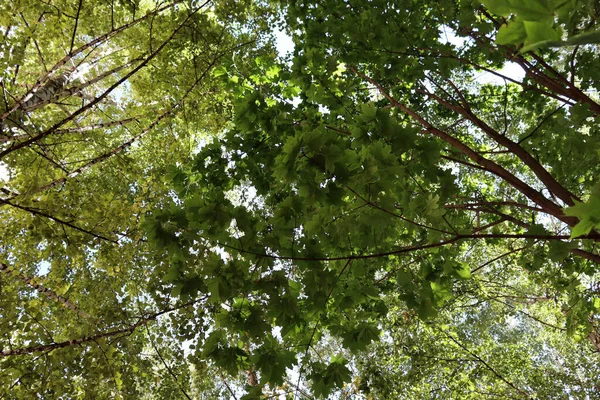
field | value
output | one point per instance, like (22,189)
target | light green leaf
(531,10)
(511,33)
(498,7)
(540,31)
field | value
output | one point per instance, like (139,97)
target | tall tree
(376,167)
(186,214)
(99,99)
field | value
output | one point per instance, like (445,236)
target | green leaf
(212,343)
(463,271)
(358,338)
(337,373)
(498,7)
(511,33)
(440,291)
(369,112)
(558,250)
(219,71)
(588,214)
(531,10)
(272,360)
(540,31)
(426,310)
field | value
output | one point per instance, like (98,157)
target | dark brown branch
(498,258)
(44,154)
(393,214)
(537,197)
(96,126)
(539,125)
(72,342)
(587,255)
(43,290)
(567,88)
(468,164)
(488,366)
(534,165)
(333,128)
(39,213)
(75,27)
(407,249)
(527,314)
(489,225)
(460,94)
(557,84)
(314,331)
(35,42)
(86,339)
(227,386)
(494,203)
(169,369)
(442,54)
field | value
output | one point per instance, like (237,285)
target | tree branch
(128,143)
(33,211)
(406,249)
(45,291)
(534,165)
(40,82)
(99,98)
(86,339)
(537,197)
(488,366)
(169,370)
(75,27)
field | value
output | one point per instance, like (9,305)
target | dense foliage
(190,215)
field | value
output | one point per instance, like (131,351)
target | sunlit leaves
(533,25)
(588,213)
(372,188)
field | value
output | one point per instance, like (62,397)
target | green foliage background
(188,215)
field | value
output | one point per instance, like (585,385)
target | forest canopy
(405,204)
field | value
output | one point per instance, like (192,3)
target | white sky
(4,175)
(284,43)
(510,70)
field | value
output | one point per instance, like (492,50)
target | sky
(284,43)
(4,176)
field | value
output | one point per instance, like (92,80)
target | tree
(99,99)
(375,167)
(188,213)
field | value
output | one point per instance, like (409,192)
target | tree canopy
(385,212)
